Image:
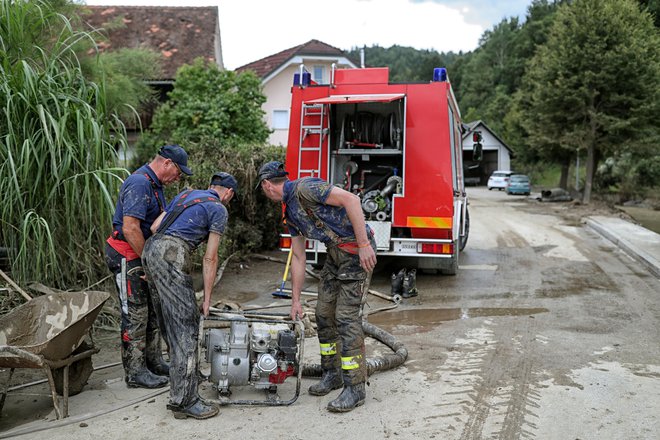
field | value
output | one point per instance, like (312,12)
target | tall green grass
(57,150)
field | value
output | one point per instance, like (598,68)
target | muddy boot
(351,397)
(198,410)
(409,284)
(155,362)
(397,282)
(159,367)
(330,380)
(145,379)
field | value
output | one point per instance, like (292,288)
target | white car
(499,179)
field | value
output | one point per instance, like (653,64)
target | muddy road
(547,332)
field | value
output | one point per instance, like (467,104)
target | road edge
(646,259)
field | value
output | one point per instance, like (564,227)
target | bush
(254,221)
(629,175)
(207,103)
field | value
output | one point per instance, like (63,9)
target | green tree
(405,63)
(209,103)
(57,149)
(594,86)
(217,117)
(492,74)
(653,7)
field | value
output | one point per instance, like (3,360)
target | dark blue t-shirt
(141,198)
(195,222)
(316,191)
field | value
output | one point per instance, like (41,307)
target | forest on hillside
(574,77)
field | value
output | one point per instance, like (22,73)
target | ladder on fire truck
(313,131)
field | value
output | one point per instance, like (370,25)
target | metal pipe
(332,75)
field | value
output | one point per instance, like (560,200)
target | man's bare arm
(133,233)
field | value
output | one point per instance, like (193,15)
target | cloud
(254,29)
(282,24)
(485,13)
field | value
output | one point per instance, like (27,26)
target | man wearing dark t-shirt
(193,217)
(141,200)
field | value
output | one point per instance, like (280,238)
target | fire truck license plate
(406,247)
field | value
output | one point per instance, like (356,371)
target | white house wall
(278,92)
(490,143)
(277,89)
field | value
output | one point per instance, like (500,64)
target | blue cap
(177,155)
(270,170)
(224,179)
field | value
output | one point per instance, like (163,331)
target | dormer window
(319,74)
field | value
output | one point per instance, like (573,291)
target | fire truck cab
(397,146)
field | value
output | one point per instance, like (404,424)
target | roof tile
(267,65)
(172,31)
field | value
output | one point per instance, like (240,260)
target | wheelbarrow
(49,332)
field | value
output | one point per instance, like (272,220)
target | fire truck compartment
(366,151)
(397,147)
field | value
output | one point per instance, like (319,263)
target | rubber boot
(144,378)
(351,397)
(409,284)
(198,410)
(155,362)
(159,367)
(330,380)
(397,282)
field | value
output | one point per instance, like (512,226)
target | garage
(496,154)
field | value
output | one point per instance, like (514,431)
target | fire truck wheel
(463,240)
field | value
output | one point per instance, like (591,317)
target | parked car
(518,184)
(499,179)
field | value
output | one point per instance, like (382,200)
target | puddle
(424,317)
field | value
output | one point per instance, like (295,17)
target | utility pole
(577,169)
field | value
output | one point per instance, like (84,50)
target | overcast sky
(253,29)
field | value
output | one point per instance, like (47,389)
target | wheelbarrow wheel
(79,372)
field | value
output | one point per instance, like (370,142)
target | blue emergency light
(306,79)
(439,74)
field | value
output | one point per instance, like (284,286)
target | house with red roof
(179,34)
(276,73)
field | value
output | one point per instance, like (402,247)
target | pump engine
(251,352)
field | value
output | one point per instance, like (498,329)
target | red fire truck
(397,146)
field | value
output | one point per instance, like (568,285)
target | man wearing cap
(317,210)
(141,200)
(193,217)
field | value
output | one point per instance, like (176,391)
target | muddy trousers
(140,330)
(342,295)
(165,258)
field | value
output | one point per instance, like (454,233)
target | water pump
(258,353)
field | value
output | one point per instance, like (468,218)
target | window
(280,119)
(319,71)
(452,146)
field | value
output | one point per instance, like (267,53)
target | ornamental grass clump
(58,148)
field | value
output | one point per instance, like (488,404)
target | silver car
(499,179)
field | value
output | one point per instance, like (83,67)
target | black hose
(379,363)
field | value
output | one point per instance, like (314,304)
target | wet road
(547,332)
